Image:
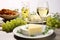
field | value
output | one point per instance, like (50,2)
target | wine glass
(43,10)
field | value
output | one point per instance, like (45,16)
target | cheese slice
(34,29)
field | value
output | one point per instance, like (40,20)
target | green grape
(50,22)
(12,26)
(9,26)
(21,22)
(13,22)
(4,26)
(24,22)
(53,22)
(18,21)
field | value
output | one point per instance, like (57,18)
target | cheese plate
(19,34)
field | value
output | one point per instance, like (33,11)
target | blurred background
(54,5)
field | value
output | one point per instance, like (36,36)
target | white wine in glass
(43,10)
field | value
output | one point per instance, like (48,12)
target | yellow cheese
(34,29)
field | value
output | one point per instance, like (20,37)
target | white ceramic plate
(50,32)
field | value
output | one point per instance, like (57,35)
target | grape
(18,21)
(9,26)
(53,22)
(13,22)
(3,26)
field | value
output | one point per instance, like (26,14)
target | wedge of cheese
(34,29)
(31,29)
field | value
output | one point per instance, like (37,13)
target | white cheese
(31,29)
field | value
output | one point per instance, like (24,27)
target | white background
(54,5)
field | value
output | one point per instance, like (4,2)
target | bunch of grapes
(53,22)
(10,25)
